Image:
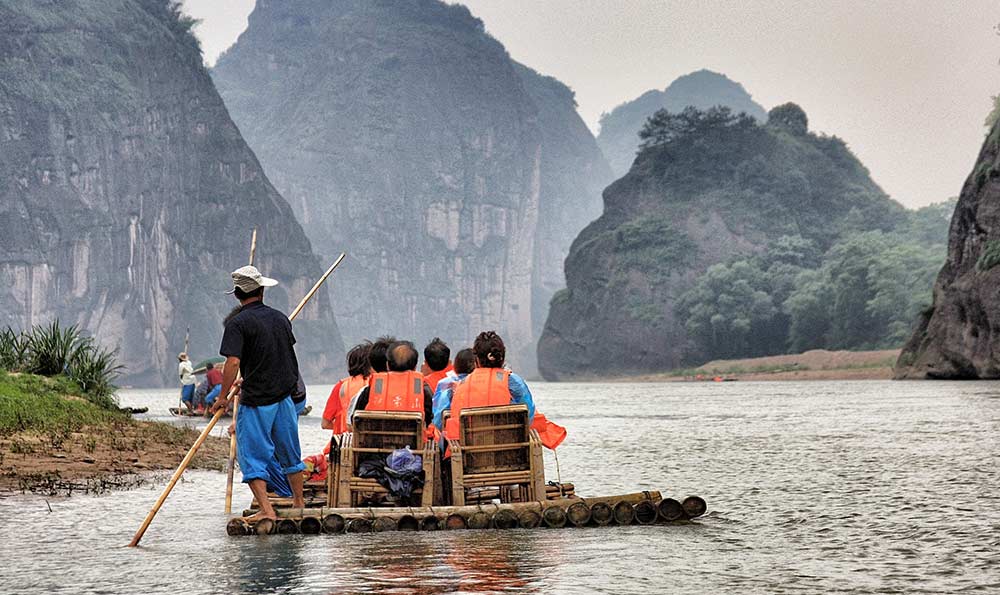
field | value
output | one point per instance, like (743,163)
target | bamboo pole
(176,476)
(645,512)
(215,419)
(624,513)
(231,461)
(601,513)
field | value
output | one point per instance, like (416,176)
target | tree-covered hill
(703,89)
(732,238)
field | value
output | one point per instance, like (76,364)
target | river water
(845,487)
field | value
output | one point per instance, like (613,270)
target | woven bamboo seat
(497,449)
(379,433)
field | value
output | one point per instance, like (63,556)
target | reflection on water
(858,487)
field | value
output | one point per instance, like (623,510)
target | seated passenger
(213,376)
(402,388)
(436,356)
(358,371)
(489,384)
(465,363)
(378,363)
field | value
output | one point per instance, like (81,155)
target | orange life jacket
(433,378)
(484,387)
(396,391)
(550,433)
(348,388)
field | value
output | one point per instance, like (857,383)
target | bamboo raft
(642,508)
(493,479)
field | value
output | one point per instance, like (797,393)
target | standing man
(186,373)
(258,342)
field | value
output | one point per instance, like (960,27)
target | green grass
(49,405)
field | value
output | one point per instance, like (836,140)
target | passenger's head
(357,360)
(465,361)
(376,357)
(436,354)
(402,357)
(209,366)
(182,356)
(489,349)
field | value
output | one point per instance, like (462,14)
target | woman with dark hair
(490,384)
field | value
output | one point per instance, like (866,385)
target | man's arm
(229,371)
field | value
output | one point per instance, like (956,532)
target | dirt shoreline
(817,364)
(122,454)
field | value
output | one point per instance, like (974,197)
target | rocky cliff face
(127,192)
(619,136)
(957,337)
(405,135)
(713,187)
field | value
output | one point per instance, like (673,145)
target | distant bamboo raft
(642,508)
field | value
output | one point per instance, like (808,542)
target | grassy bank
(55,440)
(811,365)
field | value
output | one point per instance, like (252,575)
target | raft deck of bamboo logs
(643,508)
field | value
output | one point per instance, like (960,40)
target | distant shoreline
(817,364)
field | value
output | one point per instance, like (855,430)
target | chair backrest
(495,439)
(385,431)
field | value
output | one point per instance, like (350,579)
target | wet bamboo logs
(334,523)
(670,510)
(430,523)
(601,513)
(311,525)
(644,508)
(694,506)
(504,519)
(529,519)
(624,513)
(465,511)
(554,516)
(645,512)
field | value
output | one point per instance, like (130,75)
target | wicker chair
(498,454)
(380,433)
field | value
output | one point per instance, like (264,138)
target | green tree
(994,115)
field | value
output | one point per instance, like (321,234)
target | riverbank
(54,441)
(817,364)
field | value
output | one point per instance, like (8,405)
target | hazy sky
(906,83)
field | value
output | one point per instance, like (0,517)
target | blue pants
(299,406)
(265,434)
(213,394)
(187,393)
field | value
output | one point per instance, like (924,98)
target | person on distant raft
(465,363)
(339,401)
(186,373)
(436,358)
(213,376)
(259,343)
(402,388)
(489,384)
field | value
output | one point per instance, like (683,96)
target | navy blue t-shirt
(262,338)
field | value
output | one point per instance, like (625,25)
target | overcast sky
(906,83)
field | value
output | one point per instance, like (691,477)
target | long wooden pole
(211,424)
(231,461)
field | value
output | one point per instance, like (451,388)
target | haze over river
(851,487)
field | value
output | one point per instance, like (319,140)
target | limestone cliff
(957,337)
(619,136)
(708,187)
(126,192)
(401,132)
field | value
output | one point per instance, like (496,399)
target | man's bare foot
(260,516)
